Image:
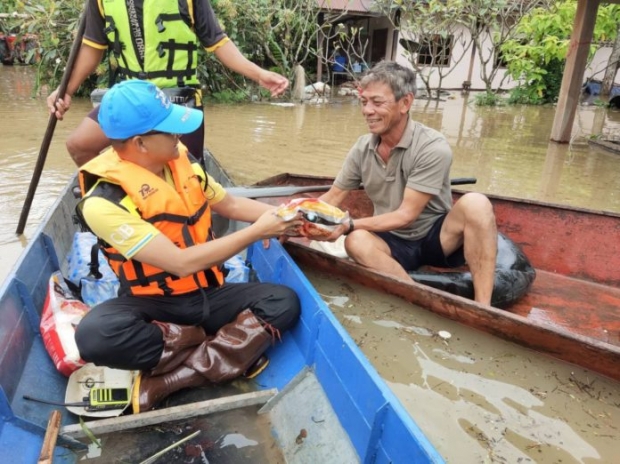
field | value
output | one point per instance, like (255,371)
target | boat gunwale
(321,180)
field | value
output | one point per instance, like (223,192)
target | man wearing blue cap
(150,204)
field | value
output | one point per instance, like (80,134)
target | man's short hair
(399,78)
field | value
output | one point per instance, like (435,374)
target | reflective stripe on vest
(182,214)
(170,45)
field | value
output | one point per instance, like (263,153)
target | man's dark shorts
(412,254)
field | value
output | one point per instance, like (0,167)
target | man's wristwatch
(351,227)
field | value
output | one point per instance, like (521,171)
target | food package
(320,219)
(61,314)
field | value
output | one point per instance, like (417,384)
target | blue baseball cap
(135,107)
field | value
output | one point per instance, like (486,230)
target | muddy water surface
(477,398)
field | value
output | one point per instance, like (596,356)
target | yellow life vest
(169,45)
(182,213)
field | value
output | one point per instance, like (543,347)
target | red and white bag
(61,314)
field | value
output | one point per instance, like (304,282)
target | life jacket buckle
(160,25)
(192,220)
(160,50)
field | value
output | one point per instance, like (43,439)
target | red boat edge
(572,311)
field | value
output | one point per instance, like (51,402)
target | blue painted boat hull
(379,428)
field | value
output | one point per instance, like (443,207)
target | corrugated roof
(357,6)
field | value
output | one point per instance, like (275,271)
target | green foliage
(55,26)
(228,96)
(489,99)
(275,34)
(536,57)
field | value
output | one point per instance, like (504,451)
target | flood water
(478,399)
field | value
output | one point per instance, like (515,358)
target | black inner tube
(514,276)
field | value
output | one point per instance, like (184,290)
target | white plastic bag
(238,271)
(61,314)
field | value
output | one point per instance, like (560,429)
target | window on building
(435,50)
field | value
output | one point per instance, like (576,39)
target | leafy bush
(274,34)
(489,99)
(536,58)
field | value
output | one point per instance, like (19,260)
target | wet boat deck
(577,306)
(231,437)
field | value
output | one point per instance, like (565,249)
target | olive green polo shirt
(420,161)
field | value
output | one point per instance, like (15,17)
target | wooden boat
(572,311)
(323,400)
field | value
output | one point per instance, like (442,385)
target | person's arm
(334,196)
(230,56)
(89,56)
(134,238)
(240,209)
(85,64)
(412,205)
(161,252)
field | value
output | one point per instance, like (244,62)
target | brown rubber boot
(148,390)
(259,366)
(235,347)
(178,343)
(167,377)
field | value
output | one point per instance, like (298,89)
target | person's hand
(270,225)
(273,82)
(62,105)
(336,233)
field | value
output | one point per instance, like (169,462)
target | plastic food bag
(93,290)
(237,270)
(62,312)
(319,218)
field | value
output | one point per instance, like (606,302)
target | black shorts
(194,141)
(412,254)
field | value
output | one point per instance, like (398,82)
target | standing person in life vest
(156,41)
(150,205)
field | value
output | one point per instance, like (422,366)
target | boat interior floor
(577,306)
(236,436)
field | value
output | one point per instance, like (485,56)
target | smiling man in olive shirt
(405,169)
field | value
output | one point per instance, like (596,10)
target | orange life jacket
(182,214)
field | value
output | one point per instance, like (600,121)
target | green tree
(283,31)
(536,55)
(55,25)
(491,24)
(434,36)
(276,34)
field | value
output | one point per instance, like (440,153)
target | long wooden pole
(51,125)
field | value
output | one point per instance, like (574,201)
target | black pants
(118,333)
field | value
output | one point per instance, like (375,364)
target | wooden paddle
(287,190)
(51,125)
